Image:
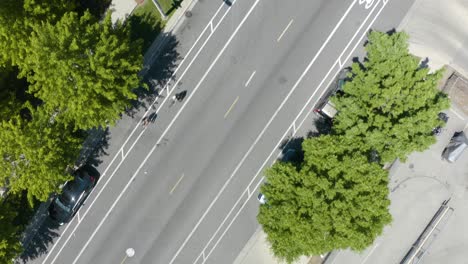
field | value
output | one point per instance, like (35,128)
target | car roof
(73,189)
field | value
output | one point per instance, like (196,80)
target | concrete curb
(257,250)
(90,144)
(95,135)
(171,26)
(245,251)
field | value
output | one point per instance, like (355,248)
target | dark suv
(74,192)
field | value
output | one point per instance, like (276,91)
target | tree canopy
(83,70)
(36,154)
(10,87)
(9,235)
(16,19)
(62,72)
(391,101)
(74,72)
(334,199)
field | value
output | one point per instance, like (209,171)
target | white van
(328,110)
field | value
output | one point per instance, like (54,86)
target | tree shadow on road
(159,74)
(291,150)
(45,230)
(162,69)
(323,126)
(94,147)
(45,235)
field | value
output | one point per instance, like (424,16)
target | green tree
(36,154)
(83,70)
(13,33)
(16,18)
(51,10)
(10,246)
(10,87)
(391,102)
(334,199)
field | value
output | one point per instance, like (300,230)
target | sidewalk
(257,251)
(121,9)
(437,31)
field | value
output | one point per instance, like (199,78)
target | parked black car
(74,192)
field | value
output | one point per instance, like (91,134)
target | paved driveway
(418,188)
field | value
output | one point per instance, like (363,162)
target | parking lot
(418,187)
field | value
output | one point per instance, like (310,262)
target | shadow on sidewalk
(176,4)
(96,7)
(44,237)
(158,76)
(98,149)
(144,27)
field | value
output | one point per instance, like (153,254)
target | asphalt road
(172,190)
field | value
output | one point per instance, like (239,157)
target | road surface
(182,190)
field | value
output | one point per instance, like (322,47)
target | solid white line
(250,78)
(177,183)
(275,149)
(457,114)
(136,127)
(224,186)
(263,131)
(356,33)
(230,108)
(230,224)
(367,29)
(167,129)
(284,31)
(277,145)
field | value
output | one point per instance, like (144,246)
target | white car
(261,198)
